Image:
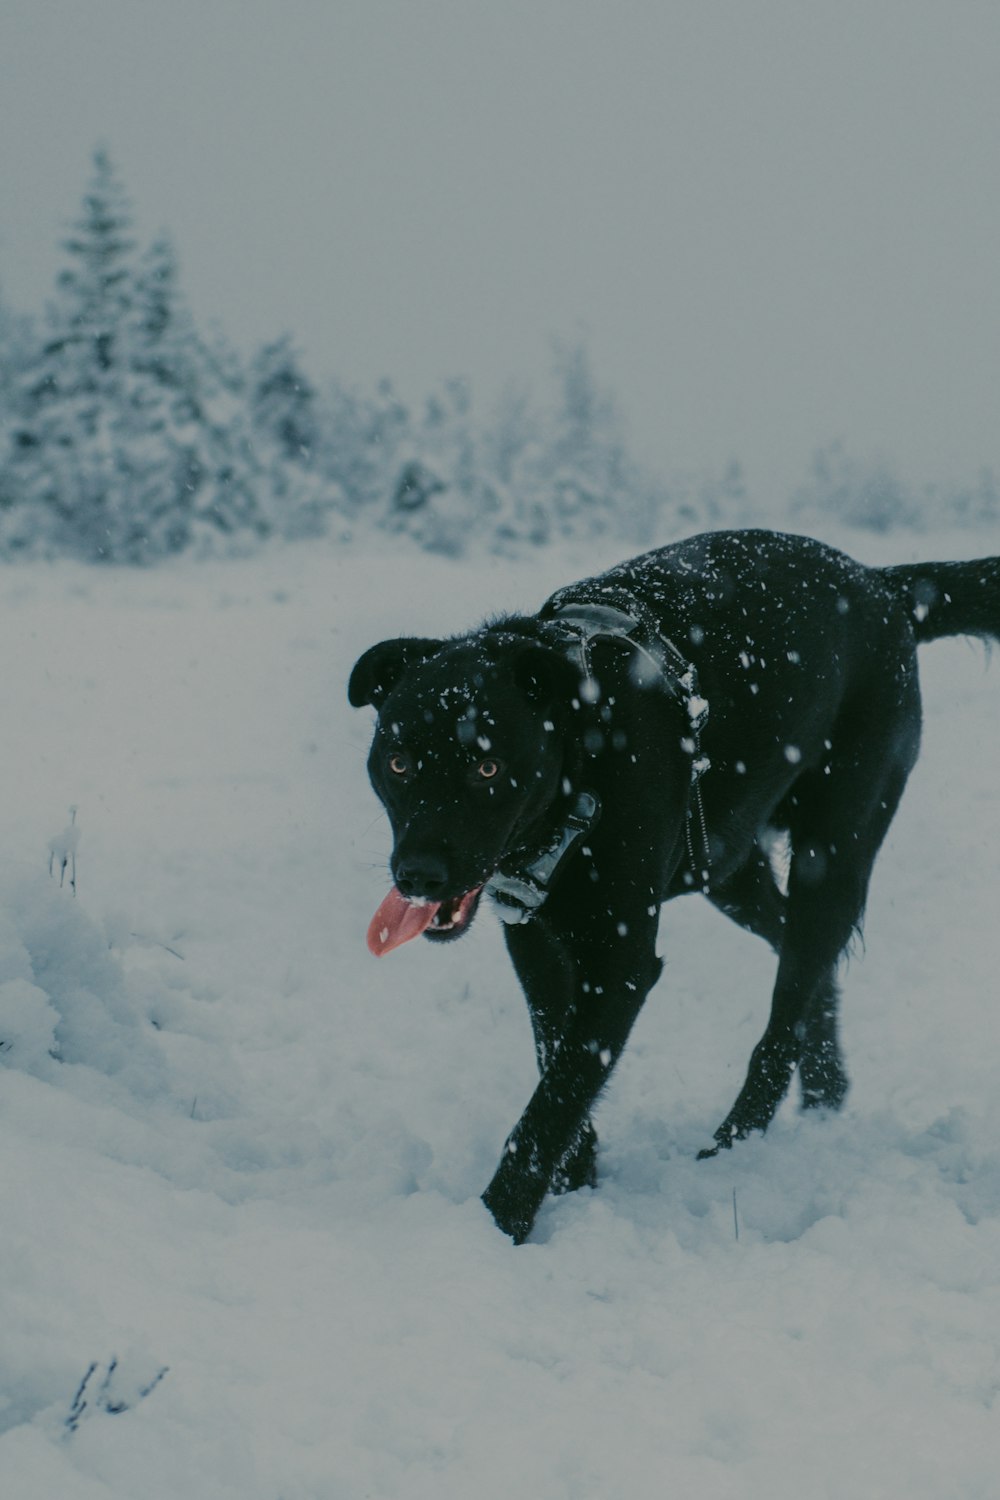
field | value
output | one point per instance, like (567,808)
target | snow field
(258,1158)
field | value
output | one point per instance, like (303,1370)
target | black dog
(636,739)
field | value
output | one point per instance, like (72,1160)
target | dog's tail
(950,598)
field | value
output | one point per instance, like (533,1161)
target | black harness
(574,626)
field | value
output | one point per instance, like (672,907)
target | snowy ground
(258,1161)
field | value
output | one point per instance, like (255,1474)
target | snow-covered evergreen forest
(128,433)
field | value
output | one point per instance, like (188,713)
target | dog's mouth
(454,917)
(398,920)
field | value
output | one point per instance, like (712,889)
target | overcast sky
(776,222)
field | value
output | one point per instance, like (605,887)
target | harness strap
(661,664)
(576,625)
(579,623)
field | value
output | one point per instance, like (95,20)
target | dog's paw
(707,1152)
(824,1085)
(515,1224)
(724,1138)
(514,1202)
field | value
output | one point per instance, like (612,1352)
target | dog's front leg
(544,964)
(607,966)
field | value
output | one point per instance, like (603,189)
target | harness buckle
(518,897)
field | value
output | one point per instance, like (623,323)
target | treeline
(129,434)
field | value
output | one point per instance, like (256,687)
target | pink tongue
(397,921)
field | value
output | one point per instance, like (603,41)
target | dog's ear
(380,668)
(545,674)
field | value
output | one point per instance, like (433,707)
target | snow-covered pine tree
(513,449)
(438,497)
(96,285)
(234,501)
(286,427)
(19,524)
(212,483)
(17,347)
(364,442)
(132,437)
(860,492)
(157,423)
(64,457)
(283,401)
(589,473)
(565,473)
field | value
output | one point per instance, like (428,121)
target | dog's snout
(422,875)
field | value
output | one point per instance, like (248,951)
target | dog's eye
(487,769)
(399,764)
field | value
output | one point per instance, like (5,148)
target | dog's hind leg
(752,899)
(838,825)
(822,1075)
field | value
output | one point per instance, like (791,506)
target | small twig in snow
(106,1399)
(79,1405)
(63,847)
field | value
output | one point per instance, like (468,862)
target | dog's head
(468,755)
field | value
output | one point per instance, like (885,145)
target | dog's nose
(422,875)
